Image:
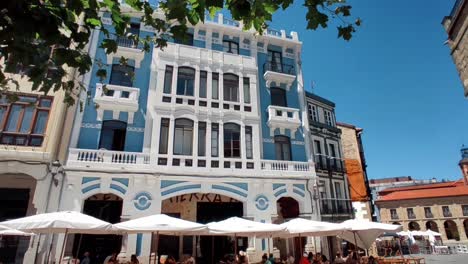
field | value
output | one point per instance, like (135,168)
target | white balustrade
(117,99)
(92,156)
(208,56)
(290,166)
(107,159)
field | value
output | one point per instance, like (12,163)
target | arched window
(113,135)
(183,136)
(431,225)
(121,75)
(451,230)
(282,148)
(231,87)
(278,97)
(232,140)
(185,81)
(413,226)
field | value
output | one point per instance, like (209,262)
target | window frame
(201,151)
(168,75)
(278,94)
(203,84)
(246,88)
(30,134)
(215,85)
(230,130)
(230,90)
(282,144)
(184,129)
(165,124)
(121,82)
(190,77)
(214,140)
(313,112)
(232,45)
(249,142)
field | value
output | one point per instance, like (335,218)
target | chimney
(464,164)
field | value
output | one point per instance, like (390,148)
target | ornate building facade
(212,126)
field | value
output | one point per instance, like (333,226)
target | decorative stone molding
(123,99)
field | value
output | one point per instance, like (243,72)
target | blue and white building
(212,126)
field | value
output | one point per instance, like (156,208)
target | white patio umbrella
(304,227)
(5,231)
(161,224)
(67,222)
(236,226)
(363,233)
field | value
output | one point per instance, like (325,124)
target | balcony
(336,207)
(206,56)
(279,74)
(283,118)
(325,163)
(122,160)
(117,99)
(129,49)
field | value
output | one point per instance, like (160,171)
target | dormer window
(230,46)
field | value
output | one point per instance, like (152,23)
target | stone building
(441,207)
(377,185)
(34,133)
(456,25)
(355,163)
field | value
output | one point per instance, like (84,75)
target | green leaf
(109,45)
(94,22)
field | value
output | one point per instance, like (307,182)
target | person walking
(86,259)
(134,259)
(304,259)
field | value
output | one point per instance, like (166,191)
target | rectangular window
(338,193)
(427,212)
(275,60)
(168,79)
(203,83)
(231,87)
(185,81)
(328,118)
(465,210)
(133,32)
(201,139)
(393,214)
(230,47)
(246,90)
(313,114)
(248,142)
(446,211)
(23,122)
(183,137)
(164,136)
(215,85)
(186,39)
(214,140)
(410,213)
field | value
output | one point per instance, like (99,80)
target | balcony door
(113,134)
(278,97)
(122,75)
(276,60)
(282,148)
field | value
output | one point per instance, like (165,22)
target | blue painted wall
(89,133)
(298,151)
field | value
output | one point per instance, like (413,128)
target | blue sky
(396,80)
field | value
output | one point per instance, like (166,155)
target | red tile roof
(435,190)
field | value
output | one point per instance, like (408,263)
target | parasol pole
(79,246)
(212,249)
(151,247)
(63,246)
(399,246)
(300,246)
(315,246)
(157,248)
(356,250)
(235,245)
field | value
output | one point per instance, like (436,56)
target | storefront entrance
(16,201)
(201,208)
(107,207)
